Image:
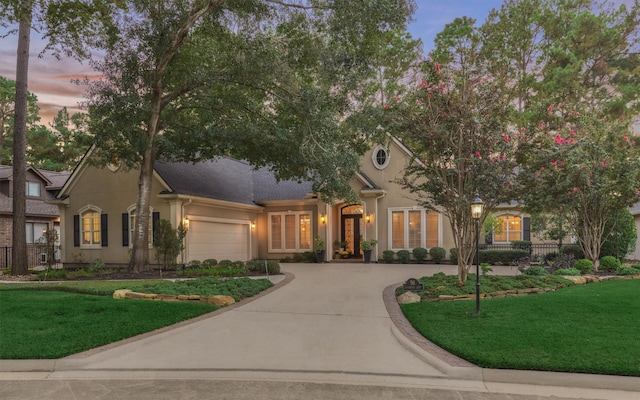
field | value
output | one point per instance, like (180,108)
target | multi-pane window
(290,231)
(511,229)
(35,231)
(33,189)
(132,227)
(411,228)
(90,228)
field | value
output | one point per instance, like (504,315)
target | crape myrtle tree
(583,167)
(456,124)
(70,28)
(277,83)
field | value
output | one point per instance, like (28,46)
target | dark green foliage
(193,264)
(238,288)
(504,257)
(627,271)
(238,264)
(420,253)
(521,245)
(621,240)
(437,254)
(535,270)
(404,256)
(218,271)
(258,266)
(225,263)
(549,257)
(573,249)
(567,272)
(209,263)
(609,264)
(389,256)
(453,255)
(584,266)
(168,242)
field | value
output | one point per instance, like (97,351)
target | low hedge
(502,256)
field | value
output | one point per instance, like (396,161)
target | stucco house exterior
(41,187)
(235,212)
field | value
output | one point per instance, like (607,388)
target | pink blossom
(636,192)
(569,192)
(501,156)
(541,125)
(510,183)
(397,98)
(437,66)
(492,160)
(604,164)
(386,106)
(575,190)
(550,109)
(559,139)
(478,154)
(425,84)
(570,141)
(418,101)
(443,115)
(523,129)
(626,139)
(441,88)
(573,132)
(570,113)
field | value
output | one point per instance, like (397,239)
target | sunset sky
(50,79)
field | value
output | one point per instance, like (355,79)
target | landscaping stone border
(218,300)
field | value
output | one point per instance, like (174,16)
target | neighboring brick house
(41,186)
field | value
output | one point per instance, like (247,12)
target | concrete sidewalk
(327,324)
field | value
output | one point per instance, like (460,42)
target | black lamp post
(476,212)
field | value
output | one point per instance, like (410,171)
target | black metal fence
(36,256)
(535,250)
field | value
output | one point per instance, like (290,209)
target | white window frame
(81,213)
(31,228)
(374,157)
(283,214)
(507,231)
(33,185)
(423,227)
(132,227)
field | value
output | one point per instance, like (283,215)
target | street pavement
(327,331)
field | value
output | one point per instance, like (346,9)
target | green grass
(40,320)
(50,324)
(587,328)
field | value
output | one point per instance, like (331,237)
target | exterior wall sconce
(253,225)
(367,218)
(185,223)
(323,218)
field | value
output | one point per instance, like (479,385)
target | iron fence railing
(36,256)
(535,250)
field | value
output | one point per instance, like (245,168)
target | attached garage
(222,240)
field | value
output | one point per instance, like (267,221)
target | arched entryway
(351,228)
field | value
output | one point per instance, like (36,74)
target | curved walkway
(327,324)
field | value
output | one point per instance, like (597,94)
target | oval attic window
(380,157)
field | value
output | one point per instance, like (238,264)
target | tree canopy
(278,84)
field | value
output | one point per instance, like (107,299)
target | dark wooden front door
(351,233)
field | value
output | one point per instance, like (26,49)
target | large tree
(71,27)
(7,112)
(274,82)
(456,124)
(584,167)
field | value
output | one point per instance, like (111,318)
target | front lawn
(587,328)
(54,320)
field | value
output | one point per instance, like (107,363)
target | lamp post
(476,212)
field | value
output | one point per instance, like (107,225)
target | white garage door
(218,240)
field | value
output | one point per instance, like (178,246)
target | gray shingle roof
(230,180)
(35,207)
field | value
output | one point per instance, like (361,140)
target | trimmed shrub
(453,255)
(584,266)
(521,245)
(257,266)
(628,271)
(536,270)
(225,263)
(437,254)
(420,253)
(609,264)
(238,264)
(505,257)
(388,256)
(194,264)
(574,249)
(404,256)
(567,272)
(209,263)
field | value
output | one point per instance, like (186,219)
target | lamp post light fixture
(476,212)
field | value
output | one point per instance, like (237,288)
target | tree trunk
(19,261)
(140,252)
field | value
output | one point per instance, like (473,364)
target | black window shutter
(103,230)
(76,230)
(125,229)
(526,229)
(155,217)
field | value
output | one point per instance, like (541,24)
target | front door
(351,233)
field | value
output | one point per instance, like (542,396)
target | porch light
(368,218)
(323,218)
(185,223)
(253,225)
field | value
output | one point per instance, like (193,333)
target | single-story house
(41,186)
(238,213)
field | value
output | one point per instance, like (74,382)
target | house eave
(231,205)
